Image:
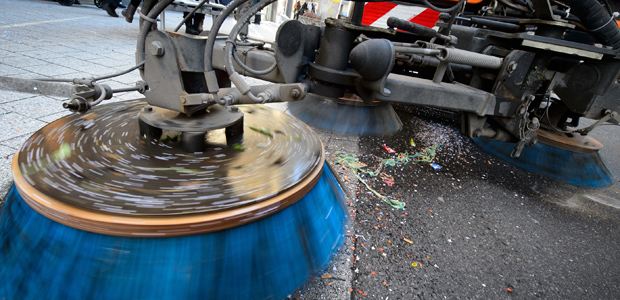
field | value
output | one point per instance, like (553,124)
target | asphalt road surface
(477,228)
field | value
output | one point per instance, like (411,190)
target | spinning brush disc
(572,160)
(348,116)
(98,211)
(99,162)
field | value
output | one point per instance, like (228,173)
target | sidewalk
(42,39)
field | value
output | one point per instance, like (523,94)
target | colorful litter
(388,149)
(349,160)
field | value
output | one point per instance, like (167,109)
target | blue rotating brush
(249,221)
(576,162)
(348,116)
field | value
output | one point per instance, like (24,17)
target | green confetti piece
(239,147)
(264,131)
(63,152)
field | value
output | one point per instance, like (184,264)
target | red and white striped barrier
(377,13)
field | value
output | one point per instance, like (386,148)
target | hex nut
(156,48)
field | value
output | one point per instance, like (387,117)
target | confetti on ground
(408,241)
(349,160)
(388,179)
(388,149)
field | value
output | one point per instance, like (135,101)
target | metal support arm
(443,95)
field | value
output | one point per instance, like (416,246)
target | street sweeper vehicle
(522,74)
(157,193)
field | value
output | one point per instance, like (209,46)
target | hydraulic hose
(597,20)
(215,28)
(445,10)
(228,61)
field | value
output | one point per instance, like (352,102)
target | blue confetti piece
(435,166)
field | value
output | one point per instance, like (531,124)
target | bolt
(295,94)
(512,66)
(227,100)
(233,109)
(183,100)
(156,48)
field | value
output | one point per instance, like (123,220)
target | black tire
(98,3)
(66,2)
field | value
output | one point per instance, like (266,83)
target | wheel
(66,2)
(98,3)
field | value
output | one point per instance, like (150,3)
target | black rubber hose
(445,10)
(411,27)
(215,28)
(597,20)
(228,60)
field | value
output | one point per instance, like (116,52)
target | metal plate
(215,117)
(574,143)
(99,162)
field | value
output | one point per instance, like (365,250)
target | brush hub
(100,172)
(156,122)
(570,142)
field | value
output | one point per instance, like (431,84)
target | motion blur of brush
(351,161)
(577,168)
